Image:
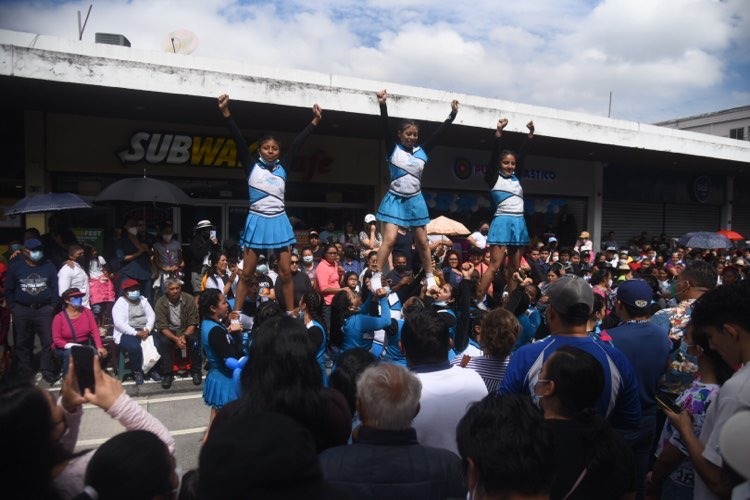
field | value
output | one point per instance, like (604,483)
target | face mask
(134,295)
(301,315)
(15,247)
(81,259)
(598,323)
(307,259)
(76,301)
(609,283)
(401,269)
(166,237)
(133,231)
(484,232)
(441,303)
(36,255)
(555,258)
(262,268)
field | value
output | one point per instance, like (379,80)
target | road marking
(145,400)
(99,441)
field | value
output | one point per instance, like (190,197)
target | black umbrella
(144,190)
(49,202)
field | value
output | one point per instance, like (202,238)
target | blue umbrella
(704,240)
(50,202)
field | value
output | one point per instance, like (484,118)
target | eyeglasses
(295,262)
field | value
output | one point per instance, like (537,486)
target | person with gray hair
(386,460)
(176,326)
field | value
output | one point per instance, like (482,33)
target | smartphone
(83,357)
(668,404)
(212,234)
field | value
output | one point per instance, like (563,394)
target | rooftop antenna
(609,113)
(81,28)
(180,41)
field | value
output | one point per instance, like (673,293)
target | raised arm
(390,142)
(493,170)
(525,147)
(234,130)
(296,145)
(430,143)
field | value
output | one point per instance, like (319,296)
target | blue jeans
(132,345)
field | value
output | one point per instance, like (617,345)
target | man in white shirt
(446,390)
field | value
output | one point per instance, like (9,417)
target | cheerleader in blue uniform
(508,233)
(404,204)
(267,226)
(219,343)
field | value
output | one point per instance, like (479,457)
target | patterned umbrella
(50,202)
(732,235)
(704,240)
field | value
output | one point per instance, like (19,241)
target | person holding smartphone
(75,324)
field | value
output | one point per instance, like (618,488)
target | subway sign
(175,149)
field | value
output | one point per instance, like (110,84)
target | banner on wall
(90,236)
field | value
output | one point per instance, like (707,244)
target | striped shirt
(490,368)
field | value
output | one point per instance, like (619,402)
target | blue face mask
(262,268)
(76,301)
(36,255)
(441,303)
(15,247)
(134,294)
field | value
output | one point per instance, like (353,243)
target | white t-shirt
(446,394)
(733,397)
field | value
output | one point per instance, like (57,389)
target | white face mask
(609,283)
(307,259)
(166,237)
(133,230)
(262,268)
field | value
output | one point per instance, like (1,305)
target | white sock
(375,282)
(430,279)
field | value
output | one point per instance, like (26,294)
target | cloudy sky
(661,59)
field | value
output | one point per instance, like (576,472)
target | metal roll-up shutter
(630,219)
(741,220)
(681,219)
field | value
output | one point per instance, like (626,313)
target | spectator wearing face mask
(72,274)
(31,292)
(134,319)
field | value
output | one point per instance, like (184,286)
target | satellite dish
(180,42)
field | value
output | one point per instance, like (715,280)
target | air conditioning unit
(112,39)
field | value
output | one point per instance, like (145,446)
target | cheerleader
(267,226)
(508,233)
(404,204)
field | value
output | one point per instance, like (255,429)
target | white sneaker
(376,281)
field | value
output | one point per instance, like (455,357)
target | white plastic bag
(150,353)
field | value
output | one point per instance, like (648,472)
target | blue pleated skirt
(508,230)
(267,233)
(218,389)
(403,211)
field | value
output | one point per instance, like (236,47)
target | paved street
(180,409)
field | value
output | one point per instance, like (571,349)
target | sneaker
(197,378)
(155,376)
(167,380)
(138,376)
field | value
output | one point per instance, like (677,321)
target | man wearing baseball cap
(647,348)
(31,293)
(569,307)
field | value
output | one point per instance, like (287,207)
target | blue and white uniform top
(267,185)
(406,166)
(406,170)
(507,194)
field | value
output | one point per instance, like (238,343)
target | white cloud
(661,59)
